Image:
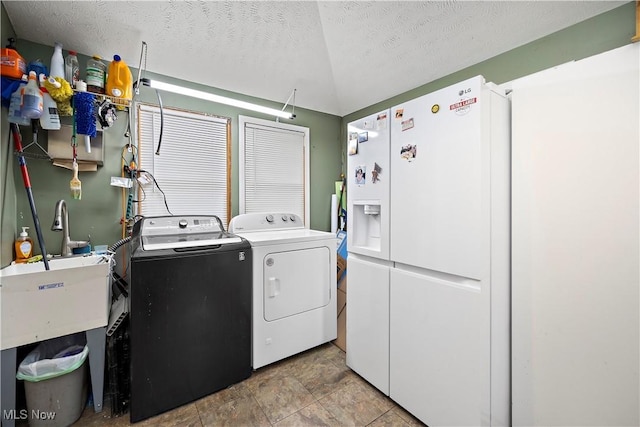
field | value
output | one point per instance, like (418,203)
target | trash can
(56,381)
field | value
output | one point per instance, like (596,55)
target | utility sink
(37,304)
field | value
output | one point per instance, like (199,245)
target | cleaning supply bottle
(57,62)
(96,74)
(15,113)
(13,64)
(50,119)
(32,103)
(72,68)
(23,246)
(119,82)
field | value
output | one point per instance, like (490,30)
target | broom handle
(17,141)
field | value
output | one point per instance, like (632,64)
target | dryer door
(296,281)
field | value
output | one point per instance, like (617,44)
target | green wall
(7,164)
(99,211)
(599,34)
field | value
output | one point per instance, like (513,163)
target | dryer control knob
(269,218)
(292,218)
(183,223)
(284,218)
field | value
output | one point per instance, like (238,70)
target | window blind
(193,166)
(274,173)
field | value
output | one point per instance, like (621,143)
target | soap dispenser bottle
(24,246)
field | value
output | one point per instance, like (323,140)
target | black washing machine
(190,307)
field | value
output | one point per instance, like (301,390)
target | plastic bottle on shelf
(13,64)
(72,68)
(50,119)
(119,82)
(23,246)
(96,74)
(15,113)
(32,103)
(57,62)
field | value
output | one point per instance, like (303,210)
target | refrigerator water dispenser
(366,226)
(372,209)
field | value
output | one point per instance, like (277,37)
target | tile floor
(314,388)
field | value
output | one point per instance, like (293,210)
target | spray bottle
(23,246)
(15,112)
(50,119)
(32,103)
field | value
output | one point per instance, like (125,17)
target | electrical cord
(146,82)
(161,123)
(144,195)
(139,171)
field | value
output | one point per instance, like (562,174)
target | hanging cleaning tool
(84,106)
(75,185)
(17,141)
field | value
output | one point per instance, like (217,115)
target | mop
(17,141)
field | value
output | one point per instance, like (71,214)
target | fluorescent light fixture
(168,87)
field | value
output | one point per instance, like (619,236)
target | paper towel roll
(334,213)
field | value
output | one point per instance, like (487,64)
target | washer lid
(179,241)
(175,232)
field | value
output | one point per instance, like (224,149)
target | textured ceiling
(341,56)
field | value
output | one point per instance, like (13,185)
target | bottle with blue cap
(15,109)
(119,81)
(32,101)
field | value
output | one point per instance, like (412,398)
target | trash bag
(54,358)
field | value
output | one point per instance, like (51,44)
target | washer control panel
(179,232)
(265,221)
(172,225)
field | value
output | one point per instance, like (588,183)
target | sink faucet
(61,223)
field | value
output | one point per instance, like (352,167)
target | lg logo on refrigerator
(463,91)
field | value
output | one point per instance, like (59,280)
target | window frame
(243,121)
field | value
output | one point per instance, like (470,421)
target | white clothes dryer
(294,285)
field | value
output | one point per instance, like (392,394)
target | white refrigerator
(368,265)
(576,243)
(443,289)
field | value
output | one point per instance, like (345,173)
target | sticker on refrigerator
(399,113)
(363,137)
(353,144)
(375,173)
(408,152)
(360,175)
(435,108)
(407,124)
(463,106)
(368,124)
(381,122)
